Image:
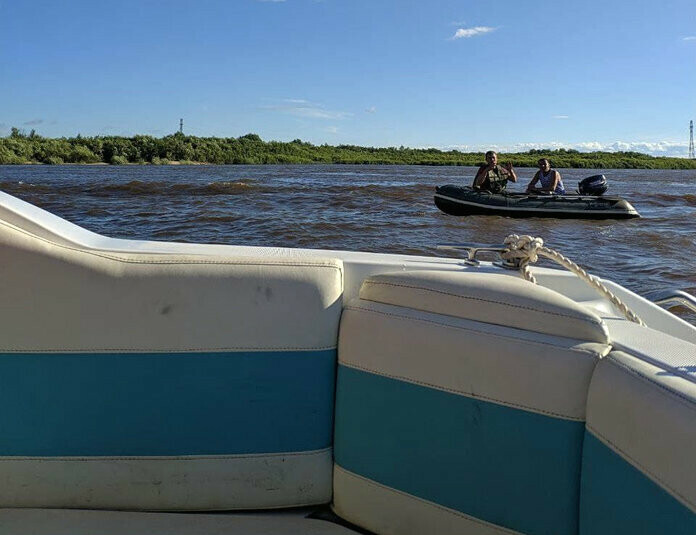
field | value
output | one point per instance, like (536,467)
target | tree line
(22,148)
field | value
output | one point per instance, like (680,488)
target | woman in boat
(493,177)
(549,180)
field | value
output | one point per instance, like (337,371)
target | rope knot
(522,250)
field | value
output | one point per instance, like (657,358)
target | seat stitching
(664,390)
(595,355)
(459,296)
(170,262)
(230,457)
(140,351)
(501,529)
(635,462)
(464,393)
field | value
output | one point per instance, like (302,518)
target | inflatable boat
(330,392)
(464,200)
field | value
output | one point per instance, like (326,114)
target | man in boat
(549,180)
(493,177)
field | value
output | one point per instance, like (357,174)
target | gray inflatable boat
(464,200)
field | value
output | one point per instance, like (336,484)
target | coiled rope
(524,250)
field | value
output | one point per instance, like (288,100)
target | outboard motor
(593,185)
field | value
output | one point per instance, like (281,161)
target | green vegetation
(21,148)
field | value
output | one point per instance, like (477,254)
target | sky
(467,75)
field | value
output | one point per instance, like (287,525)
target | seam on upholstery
(632,460)
(230,457)
(434,505)
(594,354)
(193,350)
(211,262)
(664,390)
(644,356)
(459,296)
(463,393)
(169,262)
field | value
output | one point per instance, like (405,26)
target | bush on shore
(19,148)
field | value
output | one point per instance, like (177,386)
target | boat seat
(638,471)
(73,522)
(460,405)
(164,381)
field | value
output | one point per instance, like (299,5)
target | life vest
(496,180)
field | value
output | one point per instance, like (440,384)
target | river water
(366,207)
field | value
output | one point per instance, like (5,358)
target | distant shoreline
(101,164)
(202,164)
(178,149)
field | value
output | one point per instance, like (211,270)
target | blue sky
(447,74)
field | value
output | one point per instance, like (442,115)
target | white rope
(525,250)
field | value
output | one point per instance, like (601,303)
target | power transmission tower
(181,126)
(691,140)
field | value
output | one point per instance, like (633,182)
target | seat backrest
(638,470)
(160,381)
(460,405)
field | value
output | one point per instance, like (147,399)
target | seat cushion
(169,382)
(452,425)
(63,522)
(638,474)
(501,299)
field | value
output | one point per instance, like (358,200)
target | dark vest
(496,180)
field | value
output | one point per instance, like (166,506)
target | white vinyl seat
(638,470)
(73,522)
(460,405)
(164,381)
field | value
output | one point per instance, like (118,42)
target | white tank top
(547,179)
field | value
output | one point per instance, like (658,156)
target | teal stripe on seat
(511,467)
(618,499)
(166,404)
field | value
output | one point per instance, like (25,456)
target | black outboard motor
(593,185)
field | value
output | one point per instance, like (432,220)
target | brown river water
(368,208)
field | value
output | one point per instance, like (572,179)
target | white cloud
(654,148)
(371,109)
(561,117)
(689,38)
(465,33)
(304,108)
(332,129)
